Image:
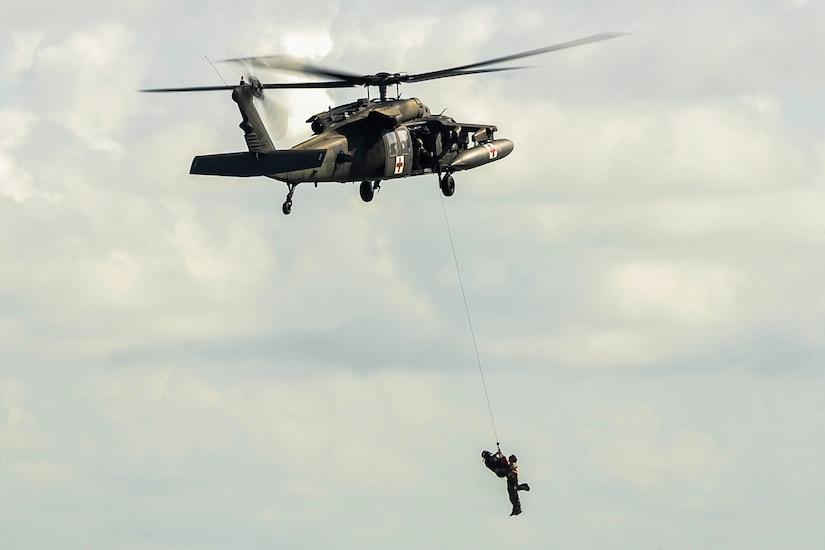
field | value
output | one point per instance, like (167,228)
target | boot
(523,487)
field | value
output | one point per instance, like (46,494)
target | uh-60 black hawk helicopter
(368,140)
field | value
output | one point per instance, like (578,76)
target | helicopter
(366,141)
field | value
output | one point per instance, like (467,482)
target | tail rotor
(275,115)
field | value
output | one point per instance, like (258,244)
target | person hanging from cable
(503,466)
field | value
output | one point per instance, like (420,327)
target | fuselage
(390,139)
(364,140)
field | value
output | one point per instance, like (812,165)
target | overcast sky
(182,366)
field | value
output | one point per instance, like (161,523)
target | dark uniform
(504,467)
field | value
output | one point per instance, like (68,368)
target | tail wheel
(287,208)
(448,185)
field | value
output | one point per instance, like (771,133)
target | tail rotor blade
(275,116)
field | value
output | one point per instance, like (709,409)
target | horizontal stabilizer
(244,165)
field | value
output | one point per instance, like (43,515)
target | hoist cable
(469,321)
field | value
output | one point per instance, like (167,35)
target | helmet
(513,458)
(485,454)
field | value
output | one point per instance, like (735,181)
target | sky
(182,366)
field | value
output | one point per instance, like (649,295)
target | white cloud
(629,446)
(99,69)
(179,345)
(21,55)
(582,347)
(307,45)
(43,473)
(16,182)
(680,293)
(18,427)
(303,425)
(15,125)
(711,148)
(236,254)
(13,392)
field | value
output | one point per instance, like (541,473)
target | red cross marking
(492,149)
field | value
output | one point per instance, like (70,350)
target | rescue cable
(470,322)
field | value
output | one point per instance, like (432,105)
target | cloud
(21,55)
(642,275)
(708,148)
(101,103)
(44,473)
(16,182)
(13,392)
(684,294)
(18,424)
(694,194)
(302,425)
(628,446)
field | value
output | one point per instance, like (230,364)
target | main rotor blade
(444,73)
(345,79)
(294,85)
(270,86)
(298,66)
(430,76)
(191,89)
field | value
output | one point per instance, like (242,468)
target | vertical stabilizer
(257,138)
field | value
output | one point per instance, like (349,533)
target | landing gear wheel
(447,185)
(287,207)
(367,191)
